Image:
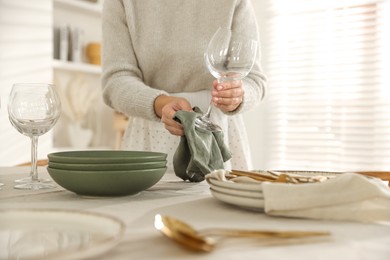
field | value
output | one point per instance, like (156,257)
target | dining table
(194,203)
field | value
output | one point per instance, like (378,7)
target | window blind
(25,56)
(328,100)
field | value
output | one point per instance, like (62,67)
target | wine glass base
(29,180)
(205,124)
(36,185)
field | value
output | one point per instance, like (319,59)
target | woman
(153,66)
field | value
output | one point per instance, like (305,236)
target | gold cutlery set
(302,176)
(280,176)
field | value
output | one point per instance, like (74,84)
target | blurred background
(327,105)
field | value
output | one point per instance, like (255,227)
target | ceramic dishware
(105,156)
(107,183)
(57,234)
(108,166)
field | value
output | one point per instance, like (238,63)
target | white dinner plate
(241,193)
(56,234)
(243,202)
(236,185)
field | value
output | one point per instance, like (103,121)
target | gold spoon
(179,232)
(189,238)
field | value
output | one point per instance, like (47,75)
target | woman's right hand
(166,107)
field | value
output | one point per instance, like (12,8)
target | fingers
(225,85)
(228,95)
(168,112)
(173,127)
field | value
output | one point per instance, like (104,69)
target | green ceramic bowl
(107,183)
(108,167)
(106,156)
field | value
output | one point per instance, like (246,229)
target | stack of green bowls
(107,172)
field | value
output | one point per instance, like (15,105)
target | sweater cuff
(146,100)
(252,97)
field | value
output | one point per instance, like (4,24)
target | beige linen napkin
(349,196)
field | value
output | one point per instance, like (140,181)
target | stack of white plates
(245,195)
(248,193)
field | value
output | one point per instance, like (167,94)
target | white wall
(25,56)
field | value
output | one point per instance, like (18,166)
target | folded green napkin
(199,151)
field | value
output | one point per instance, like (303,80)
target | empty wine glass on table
(229,56)
(33,109)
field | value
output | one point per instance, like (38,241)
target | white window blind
(328,65)
(25,56)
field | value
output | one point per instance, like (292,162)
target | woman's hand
(165,107)
(227,95)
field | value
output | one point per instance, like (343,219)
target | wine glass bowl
(229,56)
(33,110)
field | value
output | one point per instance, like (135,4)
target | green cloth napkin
(199,151)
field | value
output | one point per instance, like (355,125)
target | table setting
(117,204)
(305,194)
(132,230)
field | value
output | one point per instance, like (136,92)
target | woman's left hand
(227,95)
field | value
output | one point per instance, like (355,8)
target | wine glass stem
(34,151)
(207,114)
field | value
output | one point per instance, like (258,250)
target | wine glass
(34,109)
(229,56)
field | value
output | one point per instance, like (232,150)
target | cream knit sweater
(154,47)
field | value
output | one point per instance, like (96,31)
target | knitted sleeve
(122,80)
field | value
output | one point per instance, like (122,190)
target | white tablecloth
(193,202)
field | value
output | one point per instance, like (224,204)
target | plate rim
(80,252)
(66,156)
(130,164)
(254,206)
(106,171)
(235,185)
(238,192)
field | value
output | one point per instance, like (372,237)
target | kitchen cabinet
(86,120)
